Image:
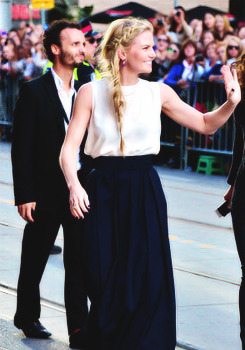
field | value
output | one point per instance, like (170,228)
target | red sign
(23,12)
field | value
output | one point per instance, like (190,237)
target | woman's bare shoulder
(85,88)
(166,92)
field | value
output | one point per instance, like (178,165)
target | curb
(186,346)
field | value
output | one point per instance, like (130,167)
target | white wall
(163,6)
(5,14)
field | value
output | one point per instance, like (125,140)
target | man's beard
(65,58)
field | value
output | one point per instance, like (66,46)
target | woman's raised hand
(79,202)
(232,86)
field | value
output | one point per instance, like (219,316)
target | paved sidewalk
(206,266)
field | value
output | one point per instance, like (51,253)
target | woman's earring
(124,63)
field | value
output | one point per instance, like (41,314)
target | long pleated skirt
(127,257)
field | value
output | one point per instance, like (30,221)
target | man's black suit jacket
(38,135)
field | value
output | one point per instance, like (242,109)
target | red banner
(23,12)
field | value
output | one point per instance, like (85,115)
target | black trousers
(239,232)
(38,239)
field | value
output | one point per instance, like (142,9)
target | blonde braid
(120,34)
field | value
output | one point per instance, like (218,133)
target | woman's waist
(119,162)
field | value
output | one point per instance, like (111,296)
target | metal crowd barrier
(205,97)
(201,95)
(8,95)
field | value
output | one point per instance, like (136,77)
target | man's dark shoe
(35,330)
(56,250)
(78,340)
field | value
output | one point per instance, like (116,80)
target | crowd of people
(22,55)
(185,51)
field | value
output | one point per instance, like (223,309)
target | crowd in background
(185,51)
(22,55)
(189,51)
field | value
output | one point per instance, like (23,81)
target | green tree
(63,10)
(84,12)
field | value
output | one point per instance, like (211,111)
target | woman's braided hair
(120,34)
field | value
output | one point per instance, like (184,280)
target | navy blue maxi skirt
(127,257)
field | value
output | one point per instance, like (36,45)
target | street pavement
(206,266)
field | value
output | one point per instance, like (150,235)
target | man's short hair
(52,35)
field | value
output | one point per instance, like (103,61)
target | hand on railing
(183,84)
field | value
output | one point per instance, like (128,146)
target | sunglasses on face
(171,50)
(93,40)
(163,40)
(230,47)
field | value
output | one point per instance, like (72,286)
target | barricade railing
(201,95)
(205,97)
(8,95)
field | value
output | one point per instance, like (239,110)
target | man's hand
(25,211)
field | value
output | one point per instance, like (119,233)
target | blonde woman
(127,256)
(221,26)
(215,75)
(234,50)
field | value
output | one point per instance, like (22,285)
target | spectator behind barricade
(160,26)
(3,37)
(179,25)
(208,21)
(10,58)
(39,30)
(234,50)
(197,33)
(186,70)
(29,29)
(173,52)
(207,37)
(22,29)
(241,32)
(214,75)
(13,34)
(221,26)
(34,37)
(39,59)
(28,47)
(25,66)
(228,36)
(158,64)
(196,25)
(210,58)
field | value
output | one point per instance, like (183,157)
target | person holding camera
(179,25)
(160,26)
(209,59)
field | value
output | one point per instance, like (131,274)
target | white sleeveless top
(141,120)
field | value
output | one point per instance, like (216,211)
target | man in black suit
(41,117)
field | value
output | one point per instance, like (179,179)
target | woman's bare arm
(68,157)
(189,117)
